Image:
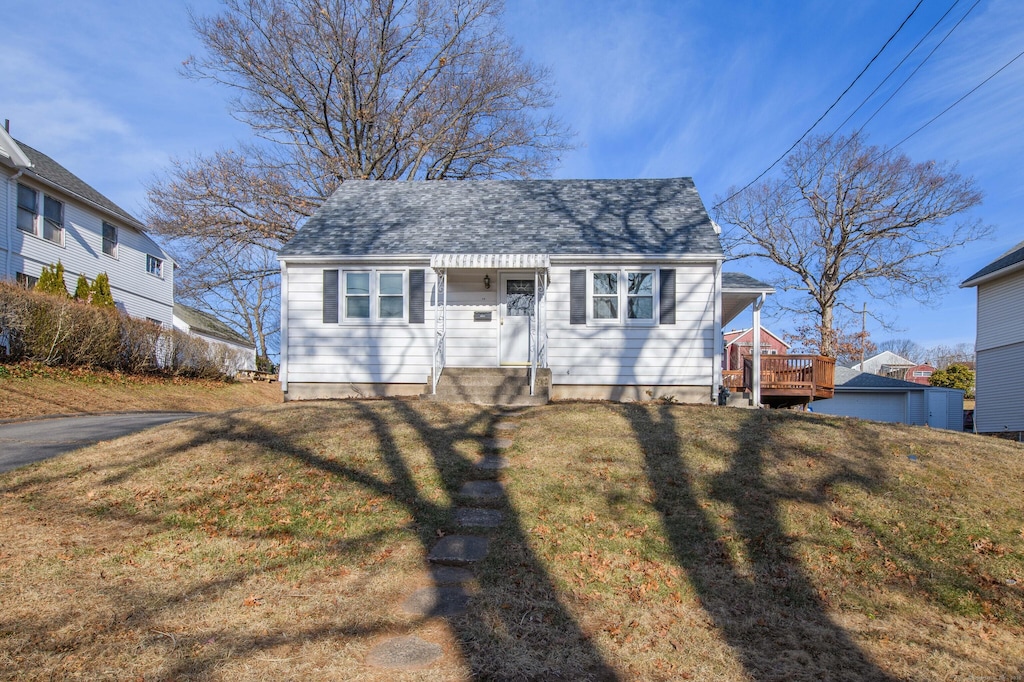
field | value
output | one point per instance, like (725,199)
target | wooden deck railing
(786,378)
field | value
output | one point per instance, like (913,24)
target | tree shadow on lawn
(515,628)
(765,605)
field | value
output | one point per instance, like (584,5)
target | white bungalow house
(999,378)
(232,351)
(48,214)
(608,289)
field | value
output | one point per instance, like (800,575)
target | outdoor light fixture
(487,281)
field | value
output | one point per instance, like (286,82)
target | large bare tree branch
(848,218)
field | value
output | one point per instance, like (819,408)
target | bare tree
(848,342)
(942,356)
(848,221)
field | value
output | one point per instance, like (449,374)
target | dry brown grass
(30,390)
(643,542)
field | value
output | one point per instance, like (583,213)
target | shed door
(515,312)
(938,416)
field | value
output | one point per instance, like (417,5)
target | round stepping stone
(492,463)
(450,575)
(483,491)
(478,518)
(459,550)
(431,602)
(496,443)
(506,426)
(404,652)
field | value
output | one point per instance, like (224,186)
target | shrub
(82,289)
(955,376)
(51,280)
(100,291)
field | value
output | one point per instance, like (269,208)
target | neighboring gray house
(878,398)
(999,348)
(233,351)
(48,214)
(593,288)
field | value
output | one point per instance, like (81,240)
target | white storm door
(515,313)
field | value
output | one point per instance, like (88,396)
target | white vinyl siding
(351,352)
(471,343)
(680,354)
(1000,321)
(136,292)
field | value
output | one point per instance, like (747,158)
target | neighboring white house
(234,352)
(884,363)
(879,398)
(613,286)
(49,214)
(999,378)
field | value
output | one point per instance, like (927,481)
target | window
(53,220)
(629,304)
(52,215)
(27,208)
(922,373)
(373,295)
(606,296)
(154,266)
(110,240)
(27,281)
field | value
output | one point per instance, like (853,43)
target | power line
(831,106)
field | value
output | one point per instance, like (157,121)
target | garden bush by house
(58,330)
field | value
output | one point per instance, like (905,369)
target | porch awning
(490,261)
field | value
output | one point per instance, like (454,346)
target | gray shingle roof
(567,217)
(851,378)
(48,169)
(739,280)
(1011,257)
(204,323)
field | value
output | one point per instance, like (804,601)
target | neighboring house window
(52,217)
(27,199)
(373,295)
(154,266)
(110,240)
(623,296)
(27,281)
(921,373)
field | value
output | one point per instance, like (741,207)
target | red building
(918,374)
(739,344)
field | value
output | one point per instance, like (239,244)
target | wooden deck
(787,380)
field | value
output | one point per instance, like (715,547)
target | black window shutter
(667,304)
(577,297)
(330,296)
(416,297)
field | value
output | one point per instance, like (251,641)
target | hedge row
(60,331)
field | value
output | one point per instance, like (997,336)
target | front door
(515,312)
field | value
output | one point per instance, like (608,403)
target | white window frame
(374,297)
(39,219)
(622,282)
(159,270)
(114,242)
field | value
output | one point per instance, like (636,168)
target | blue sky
(716,91)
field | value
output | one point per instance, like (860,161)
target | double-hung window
(373,295)
(50,220)
(110,240)
(622,296)
(154,266)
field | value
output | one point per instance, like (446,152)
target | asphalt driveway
(25,442)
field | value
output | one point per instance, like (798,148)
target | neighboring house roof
(884,359)
(49,170)
(1010,261)
(738,334)
(850,379)
(555,217)
(204,323)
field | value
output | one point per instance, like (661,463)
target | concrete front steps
(491,386)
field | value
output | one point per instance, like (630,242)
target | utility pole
(863,333)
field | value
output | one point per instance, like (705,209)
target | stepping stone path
(453,555)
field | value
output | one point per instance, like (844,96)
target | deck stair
(490,386)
